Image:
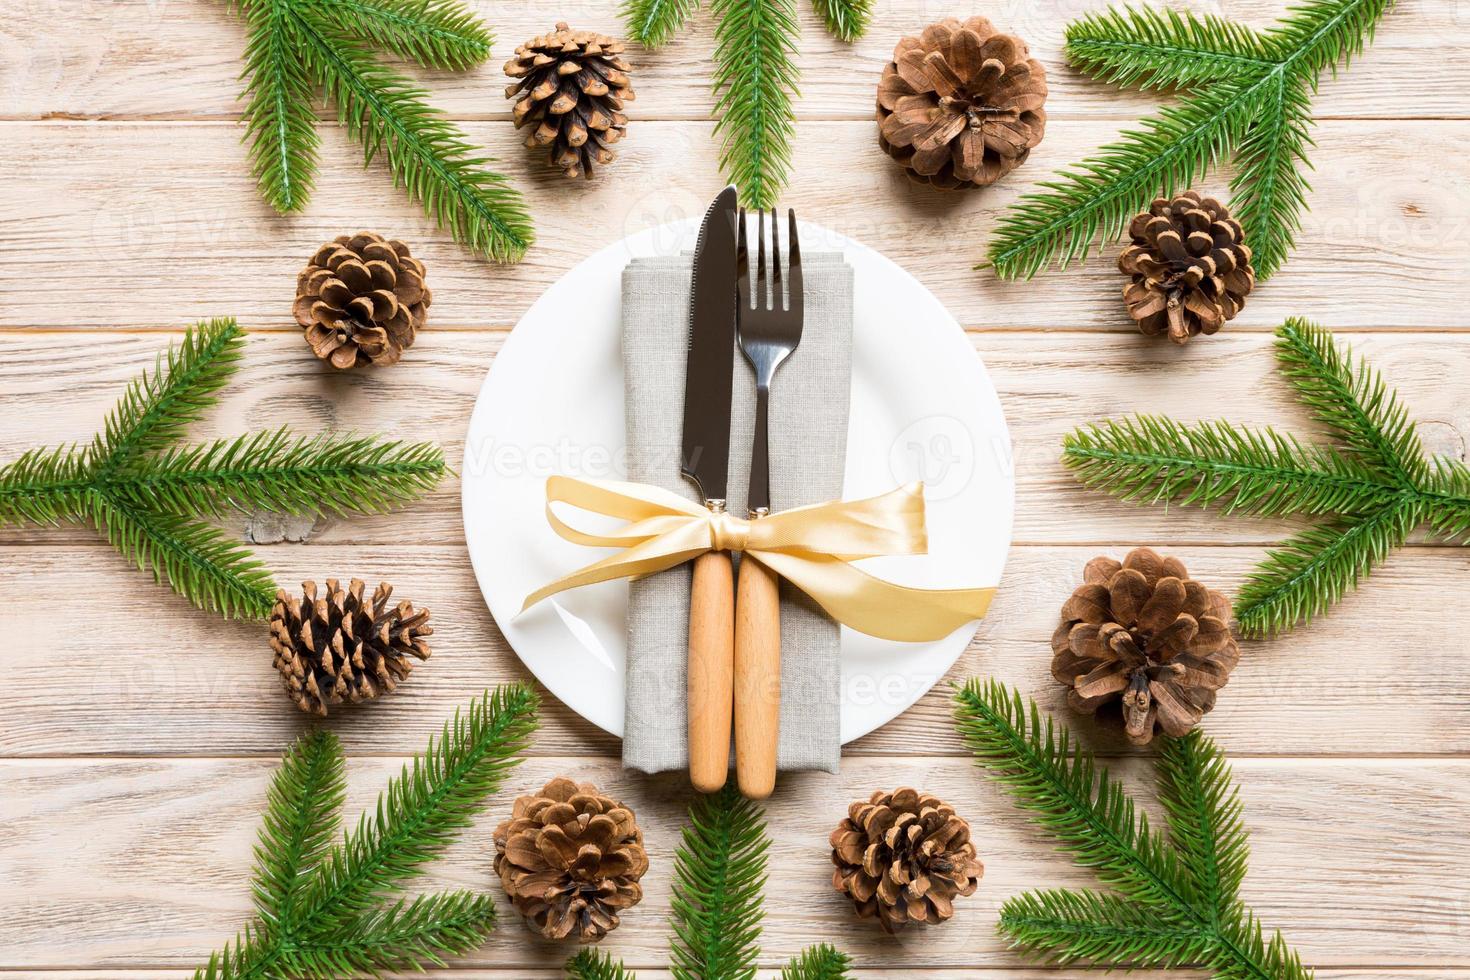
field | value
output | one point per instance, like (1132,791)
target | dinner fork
(768,326)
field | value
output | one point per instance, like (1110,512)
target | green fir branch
(719,874)
(1155,915)
(276,471)
(302,818)
(427,153)
(196,560)
(280,109)
(653,22)
(146,495)
(1164,48)
(820,962)
(439,34)
(755,78)
(1368,496)
(594,964)
(1245,93)
(296,46)
(157,408)
(341,915)
(846,20)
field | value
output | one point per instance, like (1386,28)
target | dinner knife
(706,461)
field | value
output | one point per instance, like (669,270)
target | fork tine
(742,265)
(761,283)
(793,248)
(778,298)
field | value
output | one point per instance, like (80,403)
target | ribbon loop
(812,547)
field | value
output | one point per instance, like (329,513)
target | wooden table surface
(137,734)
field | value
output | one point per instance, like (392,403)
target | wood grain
(167,215)
(1349,889)
(179,59)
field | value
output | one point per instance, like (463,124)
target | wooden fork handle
(757,679)
(711,666)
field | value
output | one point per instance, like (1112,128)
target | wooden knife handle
(711,666)
(757,679)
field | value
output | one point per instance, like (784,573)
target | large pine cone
(362,300)
(572,88)
(904,857)
(1144,646)
(338,647)
(961,105)
(570,859)
(1190,267)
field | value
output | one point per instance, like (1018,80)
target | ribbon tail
(653,555)
(876,607)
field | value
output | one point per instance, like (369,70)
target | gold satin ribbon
(811,547)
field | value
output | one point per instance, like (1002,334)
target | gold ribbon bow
(811,547)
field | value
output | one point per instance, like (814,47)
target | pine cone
(1144,646)
(570,859)
(1191,269)
(362,300)
(340,648)
(572,87)
(961,105)
(904,857)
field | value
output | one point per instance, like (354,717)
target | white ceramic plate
(923,407)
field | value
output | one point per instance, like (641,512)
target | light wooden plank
(119,863)
(179,58)
(55,389)
(102,662)
(925,973)
(160,224)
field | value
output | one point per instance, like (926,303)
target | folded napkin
(808,419)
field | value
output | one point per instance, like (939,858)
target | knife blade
(707,381)
(706,461)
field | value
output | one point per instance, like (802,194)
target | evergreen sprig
(299,47)
(1174,900)
(718,903)
(1368,496)
(330,910)
(755,77)
(148,495)
(1245,94)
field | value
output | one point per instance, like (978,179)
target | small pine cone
(572,86)
(1144,646)
(570,859)
(338,647)
(904,857)
(361,300)
(961,105)
(1190,267)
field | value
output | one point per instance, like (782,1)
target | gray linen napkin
(809,406)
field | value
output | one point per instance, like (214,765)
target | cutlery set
(735,628)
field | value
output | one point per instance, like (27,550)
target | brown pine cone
(362,300)
(338,647)
(961,105)
(570,859)
(572,86)
(904,857)
(1190,268)
(1144,646)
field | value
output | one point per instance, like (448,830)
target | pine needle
(820,962)
(846,20)
(756,78)
(297,47)
(1367,496)
(1245,94)
(594,964)
(332,911)
(147,495)
(653,22)
(719,875)
(1173,902)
